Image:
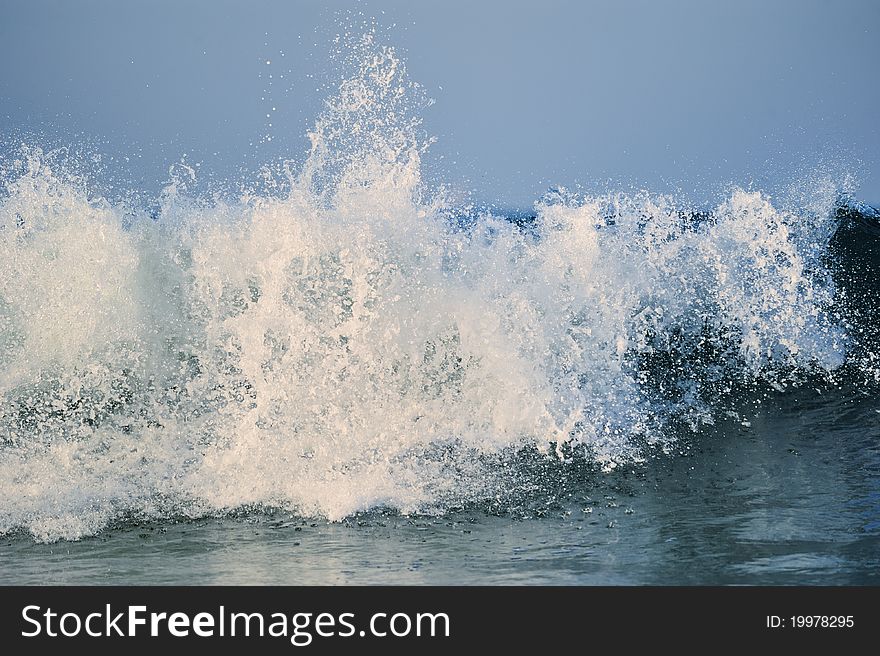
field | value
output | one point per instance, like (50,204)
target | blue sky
(677,96)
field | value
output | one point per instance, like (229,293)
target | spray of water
(351,345)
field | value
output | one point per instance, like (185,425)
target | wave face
(356,342)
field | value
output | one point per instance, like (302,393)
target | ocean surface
(339,375)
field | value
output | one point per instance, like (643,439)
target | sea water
(345,377)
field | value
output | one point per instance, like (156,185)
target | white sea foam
(350,344)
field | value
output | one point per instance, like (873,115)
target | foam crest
(351,345)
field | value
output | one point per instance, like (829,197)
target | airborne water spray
(349,346)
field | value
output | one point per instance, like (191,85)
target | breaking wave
(356,341)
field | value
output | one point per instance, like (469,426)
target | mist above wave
(349,344)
